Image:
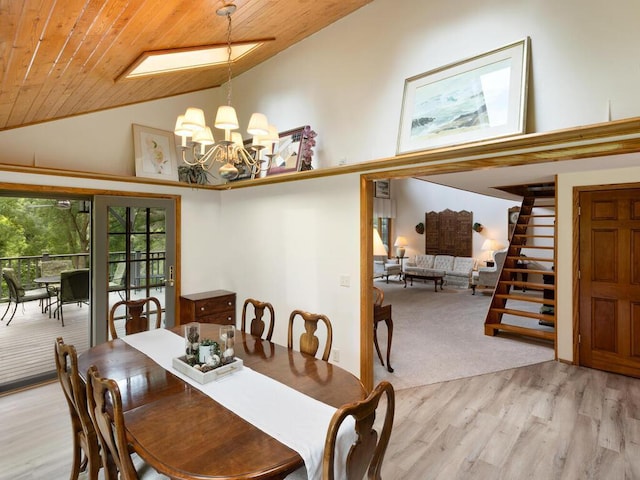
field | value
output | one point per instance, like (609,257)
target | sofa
(455,270)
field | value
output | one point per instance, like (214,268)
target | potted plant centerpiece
(208,354)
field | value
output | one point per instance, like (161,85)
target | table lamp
(400,243)
(378,247)
(490,245)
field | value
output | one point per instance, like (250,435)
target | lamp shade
(378,247)
(490,245)
(400,241)
(204,137)
(236,138)
(193,119)
(258,124)
(180,130)
(226,118)
(272,137)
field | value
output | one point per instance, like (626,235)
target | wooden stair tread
(527,285)
(531,259)
(531,235)
(535,247)
(530,270)
(523,313)
(526,298)
(490,328)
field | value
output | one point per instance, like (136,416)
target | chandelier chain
(229,58)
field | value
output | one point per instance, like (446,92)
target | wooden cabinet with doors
(216,306)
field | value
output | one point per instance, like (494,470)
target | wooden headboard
(449,233)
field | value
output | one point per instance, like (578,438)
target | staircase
(524,298)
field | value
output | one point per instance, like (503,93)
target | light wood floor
(545,421)
(26,344)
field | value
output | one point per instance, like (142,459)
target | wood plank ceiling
(61,57)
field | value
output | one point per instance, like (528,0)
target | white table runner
(289,416)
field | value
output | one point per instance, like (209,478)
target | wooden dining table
(185,434)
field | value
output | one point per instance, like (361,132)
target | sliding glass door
(134,256)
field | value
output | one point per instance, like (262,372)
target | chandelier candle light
(205,150)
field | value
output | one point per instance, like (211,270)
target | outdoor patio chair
(18,294)
(74,288)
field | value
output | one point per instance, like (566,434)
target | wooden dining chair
(258,325)
(309,342)
(367,452)
(105,408)
(136,312)
(85,438)
(382,313)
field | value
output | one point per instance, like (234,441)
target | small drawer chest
(216,306)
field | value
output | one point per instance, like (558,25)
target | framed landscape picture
(475,99)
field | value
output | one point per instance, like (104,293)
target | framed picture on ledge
(474,99)
(286,158)
(155,153)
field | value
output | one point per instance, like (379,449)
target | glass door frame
(100,258)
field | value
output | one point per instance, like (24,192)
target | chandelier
(204,150)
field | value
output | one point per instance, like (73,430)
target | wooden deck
(27,344)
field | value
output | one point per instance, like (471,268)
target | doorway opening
(45,259)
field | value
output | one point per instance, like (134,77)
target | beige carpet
(440,336)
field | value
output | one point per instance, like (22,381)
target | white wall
(347,82)
(290,249)
(416,197)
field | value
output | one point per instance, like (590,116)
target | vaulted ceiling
(61,58)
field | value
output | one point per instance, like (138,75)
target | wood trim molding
(366,283)
(610,138)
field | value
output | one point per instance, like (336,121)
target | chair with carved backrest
(105,409)
(136,312)
(367,452)
(309,342)
(18,294)
(85,438)
(257,326)
(382,313)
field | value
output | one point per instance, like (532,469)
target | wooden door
(610,280)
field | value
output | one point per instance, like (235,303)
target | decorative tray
(199,376)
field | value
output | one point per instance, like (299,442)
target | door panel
(135,250)
(609,280)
